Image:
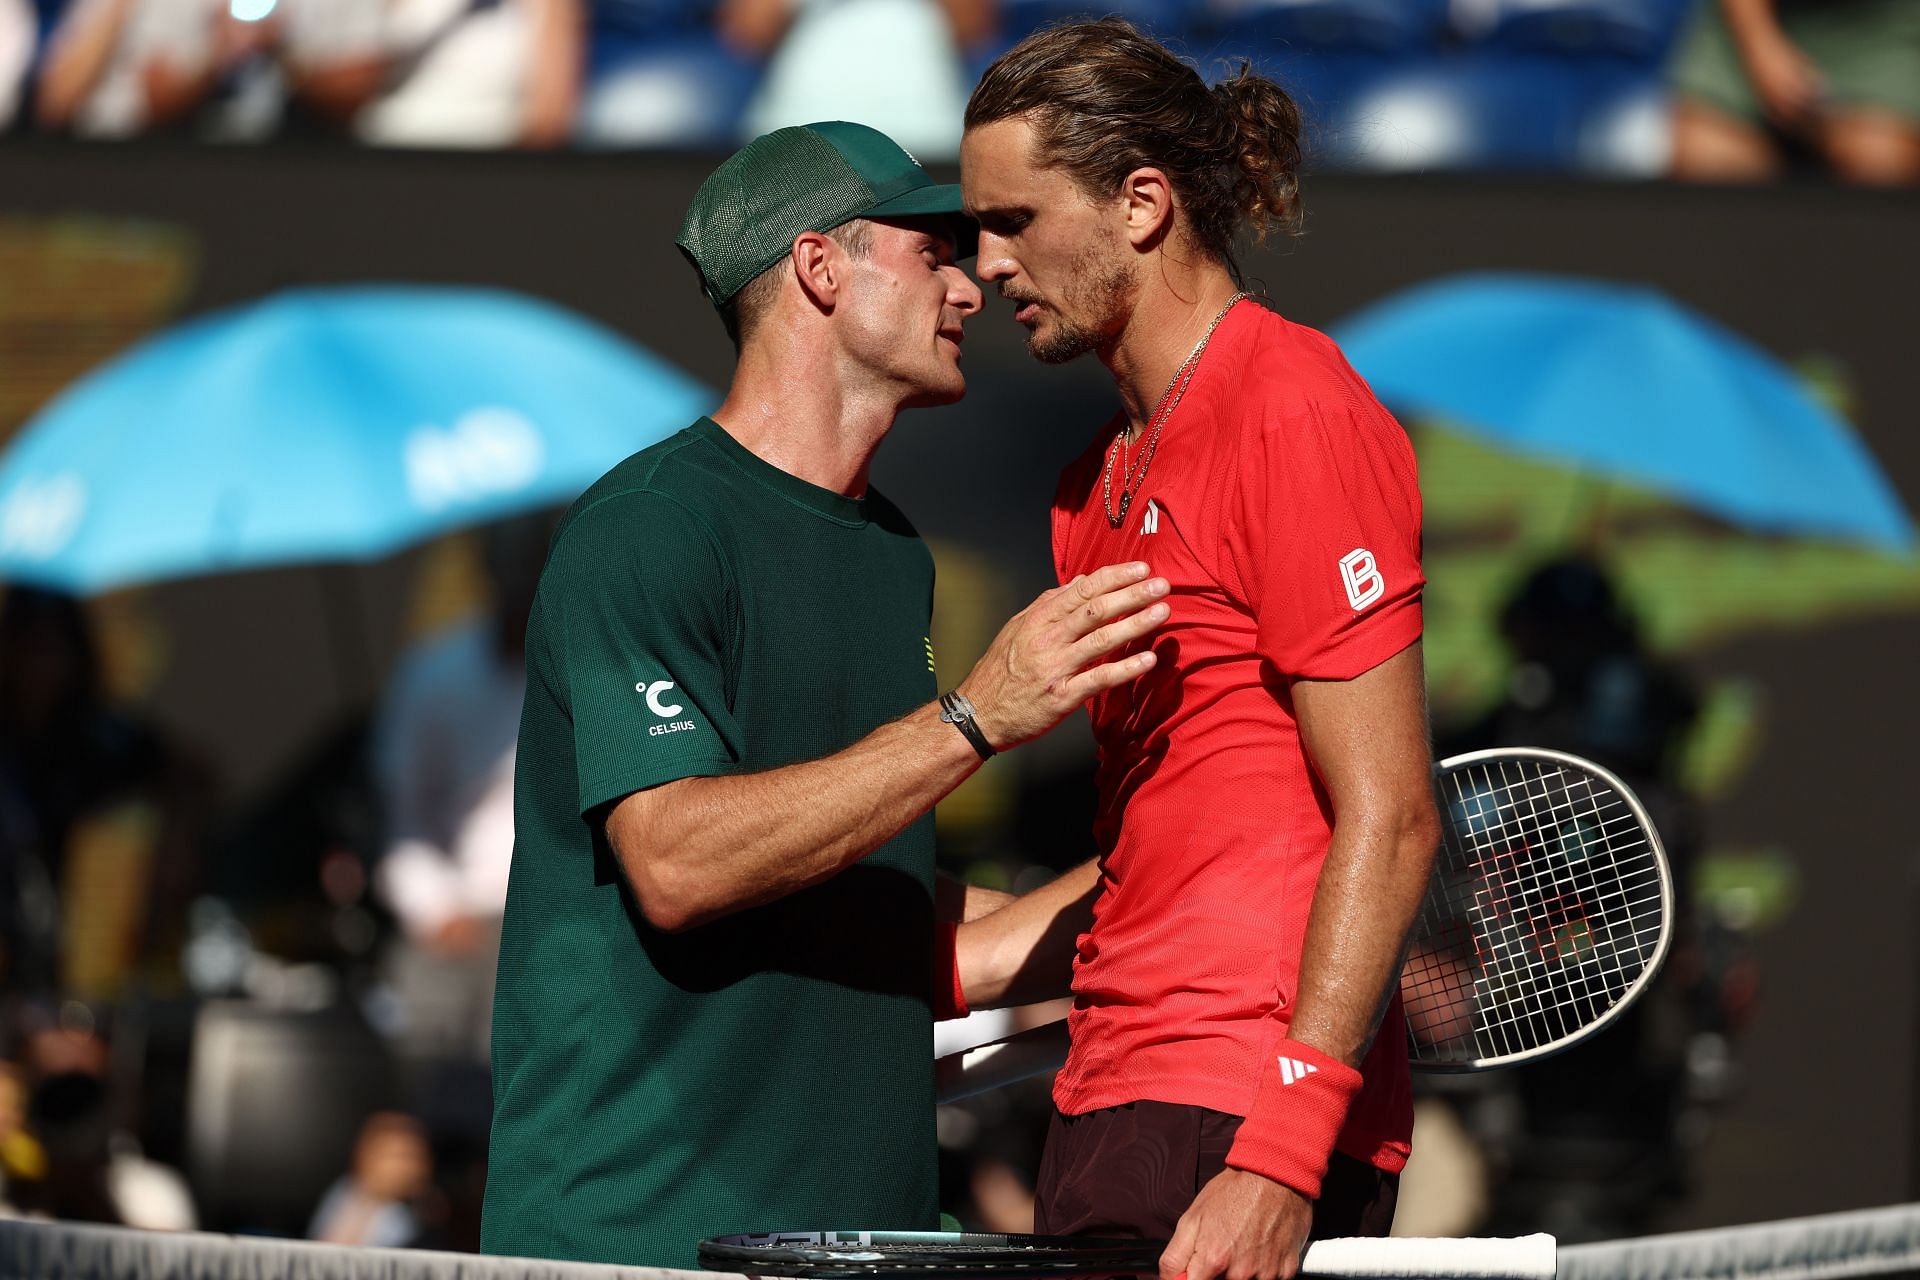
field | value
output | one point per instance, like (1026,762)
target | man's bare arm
(700,848)
(1368,739)
(78,54)
(956,901)
(1024,951)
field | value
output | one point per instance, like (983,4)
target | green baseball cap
(809,177)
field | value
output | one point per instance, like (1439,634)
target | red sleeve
(949,996)
(1324,532)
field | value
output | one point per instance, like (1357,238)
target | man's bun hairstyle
(1105,99)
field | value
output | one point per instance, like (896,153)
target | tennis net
(1870,1242)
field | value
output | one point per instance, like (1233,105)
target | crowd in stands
(1714,89)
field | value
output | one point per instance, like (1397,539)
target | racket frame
(1662,944)
(830,1255)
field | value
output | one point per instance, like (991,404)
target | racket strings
(1513,942)
(1548,908)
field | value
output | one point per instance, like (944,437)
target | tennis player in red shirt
(1266,824)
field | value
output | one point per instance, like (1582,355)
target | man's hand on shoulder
(1240,1227)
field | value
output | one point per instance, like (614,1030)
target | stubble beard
(1099,292)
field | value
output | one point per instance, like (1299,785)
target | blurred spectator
(379,1201)
(98,817)
(659,73)
(91,1170)
(1760,81)
(23,1161)
(116,68)
(444,767)
(19,32)
(1582,679)
(912,80)
(481,75)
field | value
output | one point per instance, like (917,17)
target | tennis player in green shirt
(717,975)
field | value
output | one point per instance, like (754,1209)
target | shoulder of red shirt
(1286,376)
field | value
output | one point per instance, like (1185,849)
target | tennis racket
(852,1255)
(1549,913)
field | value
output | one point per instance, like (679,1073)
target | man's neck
(791,411)
(1169,318)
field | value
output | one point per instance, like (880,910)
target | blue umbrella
(324,424)
(1626,382)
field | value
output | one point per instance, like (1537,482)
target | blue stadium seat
(1482,109)
(1642,29)
(1166,19)
(1378,25)
(682,88)
(618,21)
(1325,53)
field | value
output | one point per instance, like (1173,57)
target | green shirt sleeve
(643,607)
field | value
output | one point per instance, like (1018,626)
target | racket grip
(1534,1257)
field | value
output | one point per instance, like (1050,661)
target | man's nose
(993,262)
(963,295)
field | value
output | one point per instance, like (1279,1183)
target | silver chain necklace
(1130,480)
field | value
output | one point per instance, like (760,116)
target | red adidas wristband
(1297,1114)
(949,996)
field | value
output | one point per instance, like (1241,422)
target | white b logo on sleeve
(1361,577)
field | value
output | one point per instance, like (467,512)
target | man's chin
(1058,346)
(951,392)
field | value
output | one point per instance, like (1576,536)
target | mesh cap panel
(745,216)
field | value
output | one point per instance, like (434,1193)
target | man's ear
(818,267)
(1147,195)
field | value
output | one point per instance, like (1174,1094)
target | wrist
(958,710)
(1298,1110)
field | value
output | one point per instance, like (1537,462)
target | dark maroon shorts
(1131,1172)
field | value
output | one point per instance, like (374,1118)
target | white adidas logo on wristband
(1292,1069)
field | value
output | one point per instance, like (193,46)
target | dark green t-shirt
(705,613)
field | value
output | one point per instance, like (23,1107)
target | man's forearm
(1024,951)
(1749,21)
(956,901)
(1368,738)
(1369,893)
(76,58)
(701,848)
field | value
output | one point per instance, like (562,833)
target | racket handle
(1534,1257)
(1521,1257)
(1038,1052)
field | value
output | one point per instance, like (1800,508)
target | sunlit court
(842,639)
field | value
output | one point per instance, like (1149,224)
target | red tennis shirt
(1284,509)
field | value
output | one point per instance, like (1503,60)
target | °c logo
(655,703)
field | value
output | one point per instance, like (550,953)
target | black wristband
(958,712)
